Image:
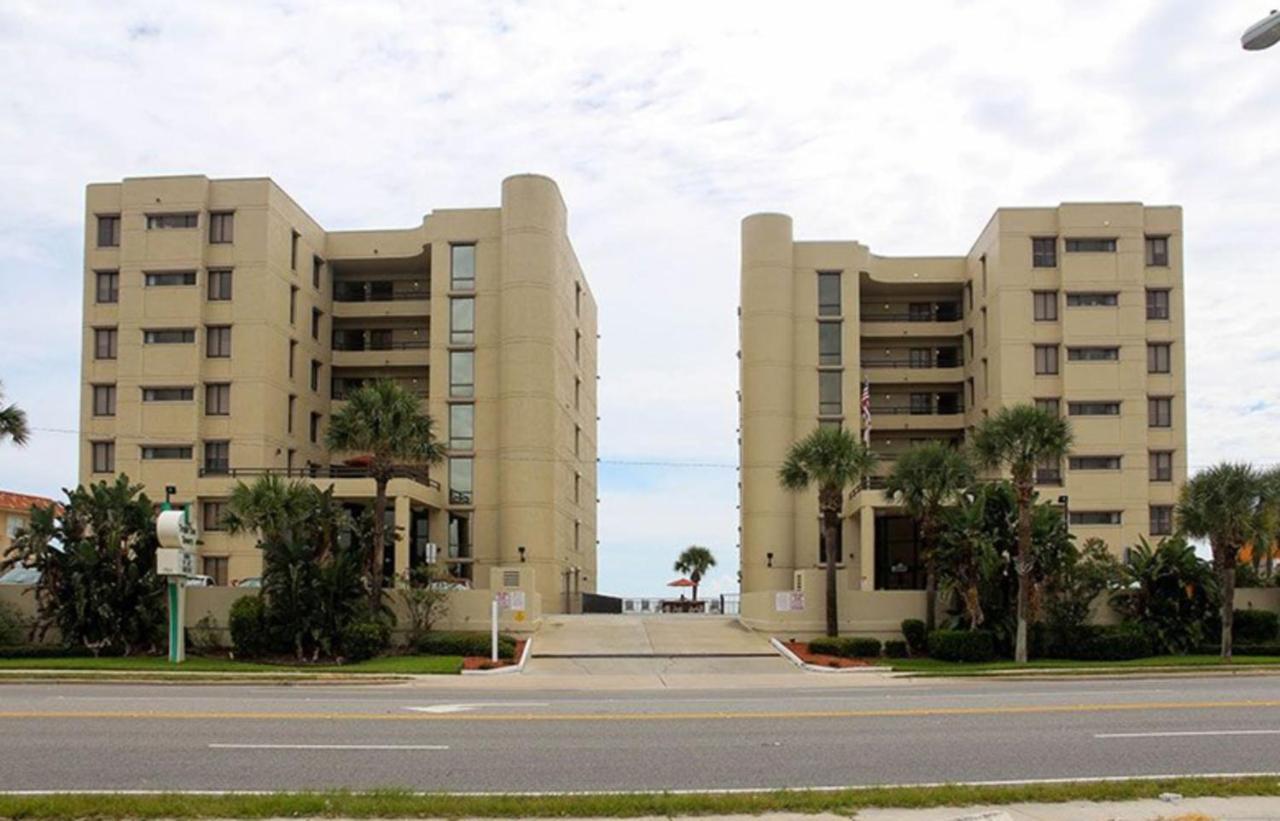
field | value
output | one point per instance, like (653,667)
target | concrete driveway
(609,635)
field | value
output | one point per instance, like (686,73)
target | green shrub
(1255,626)
(248,625)
(365,638)
(864,648)
(464,644)
(962,645)
(1272,649)
(1116,643)
(43,651)
(895,649)
(913,631)
(851,648)
(11,632)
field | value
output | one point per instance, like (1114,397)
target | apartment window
(109,231)
(1051,406)
(211,514)
(166,452)
(462,267)
(1157,303)
(460,480)
(918,358)
(1046,305)
(577,441)
(1160,412)
(1046,359)
(577,299)
(462,373)
(829,343)
(1095,517)
(829,403)
(1158,357)
(921,403)
(168,394)
(577,393)
(294,236)
(221,227)
(986,376)
(829,293)
(1044,252)
(293,304)
(217,457)
(968,391)
(462,427)
(169,278)
(577,488)
(1092,300)
(107,288)
(316,314)
(1158,251)
(317,266)
(169,336)
(577,347)
(215,567)
(986,333)
(104,343)
(1095,245)
(293,406)
(217,399)
(293,355)
(1161,520)
(290,457)
(1048,472)
(982,260)
(163,222)
(1161,466)
(462,321)
(1093,408)
(104,457)
(315,375)
(104,400)
(218,343)
(1093,354)
(219,286)
(968,294)
(314,430)
(1094,462)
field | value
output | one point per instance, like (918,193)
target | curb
(786,653)
(511,669)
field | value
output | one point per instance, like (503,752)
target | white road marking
(328,747)
(464,708)
(1186,733)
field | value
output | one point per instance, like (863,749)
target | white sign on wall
(510,599)
(788,601)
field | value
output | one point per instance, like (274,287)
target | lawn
(935,667)
(415,665)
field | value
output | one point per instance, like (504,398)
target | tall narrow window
(577,299)
(107,288)
(1046,359)
(211,514)
(217,457)
(109,231)
(1158,354)
(316,315)
(218,345)
(215,567)
(317,265)
(829,293)
(315,375)
(462,426)
(1160,412)
(293,356)
(293,406)
(460,480)
(829,401)
(462,267)
(1161,520)
(462,374)
(219,286)
(1044,252)
(829,343)
(314,431)
(293,304)
(1161,466)
(104,400)
(221,227)
(294,236)
(104,343)
(1157,251)
(104,457)
(1157,303)
(1046,305)
(217,399)
(577,393)
(982,261)
(462,321)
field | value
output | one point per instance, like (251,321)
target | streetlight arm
(1263,34)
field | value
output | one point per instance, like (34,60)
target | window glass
(829,343)
(109,231)
(1161,520)
(166,452)
(1093,408)
(1094,462)
(221,227)
(829,401)
(166,221)
(217,457)
(217,399)
(1091,245)
(1157,251)
(462,321)
(1049,406)
(460,480)
(167,394)
(1161,467)
(1044,252)
(1092,300)
(219,342)
(169,336)
(104,457)
(1046,359)
(1093,354)
(1095,517)
(462,267)
(108,286)
(104,400)
(1160,412)
(1157,304)
(1158,358)
(104,343)
(1046,305)
(462,420)
(170,278)
(829,293)
(462,373)
(219,286)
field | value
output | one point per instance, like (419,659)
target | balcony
(376,347)
(916,366)
(380,298)
(343,386)
(416,474)
(927,412)
(890,319)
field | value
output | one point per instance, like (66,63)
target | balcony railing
(419,475)
(460,497)
(379,291)
(914,362)
(932,312)
(350,342)
(917,410)
(342,389)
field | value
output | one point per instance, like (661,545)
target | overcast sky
(899,124)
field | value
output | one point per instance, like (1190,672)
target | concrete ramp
(650,636)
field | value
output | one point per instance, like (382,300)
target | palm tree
(835,460)
(694,562)
(1224,505)
(13,422)
(1021,437)
(925,480)
(1268,540)
(271,507)
(386,422)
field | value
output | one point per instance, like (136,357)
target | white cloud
(664,123)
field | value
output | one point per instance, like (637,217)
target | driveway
(608,635)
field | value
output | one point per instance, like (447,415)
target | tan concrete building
(1077,308)
(223,326)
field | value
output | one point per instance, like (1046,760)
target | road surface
(147,736)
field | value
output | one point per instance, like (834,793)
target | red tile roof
(21,502)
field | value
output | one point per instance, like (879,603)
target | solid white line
(1186,733)
(328,747)
(476,705)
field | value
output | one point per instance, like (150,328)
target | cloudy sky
(900,124)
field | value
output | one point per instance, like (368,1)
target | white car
(21,575)
(198,581)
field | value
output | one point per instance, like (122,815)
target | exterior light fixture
(521,550)
(769,559)
(1263,34)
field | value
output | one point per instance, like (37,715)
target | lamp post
(1263,34)
(1066,510)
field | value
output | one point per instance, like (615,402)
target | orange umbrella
(680,583)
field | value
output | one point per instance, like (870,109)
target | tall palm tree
(1224,505)
(271,507)
(1268,541)
(1019,438)
(13,422)
(836,461)
(385,422)
(925,480)
(694,562)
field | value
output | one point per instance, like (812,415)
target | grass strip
(396,804)
(407,665)
(935,667)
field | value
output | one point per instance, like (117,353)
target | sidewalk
(1199,809)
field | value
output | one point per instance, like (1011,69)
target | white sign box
(789,601)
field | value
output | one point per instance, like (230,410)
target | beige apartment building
(223,326)
(1077,308)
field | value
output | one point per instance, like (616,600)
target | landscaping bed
(802,651)
(486,663)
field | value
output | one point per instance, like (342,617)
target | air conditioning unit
(511,578)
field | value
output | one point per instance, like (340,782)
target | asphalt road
(113,736)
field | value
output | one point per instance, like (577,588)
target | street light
(1263,34)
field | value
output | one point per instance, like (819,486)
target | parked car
(21,575)
(199,581)
(252,581)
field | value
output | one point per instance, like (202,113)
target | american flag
(866,412)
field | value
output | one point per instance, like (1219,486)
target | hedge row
(962,645)
(464,644)
(850,648)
